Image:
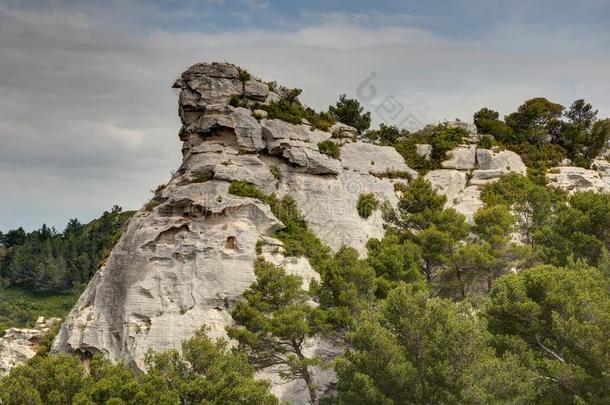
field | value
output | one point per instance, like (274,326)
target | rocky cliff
(186,256)
(18,345)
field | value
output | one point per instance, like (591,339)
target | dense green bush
(418,349)
(486,142)
(441,137)
(367,203)
(204,371)
(330,148)
(387,134)
(556,321)
(290,109)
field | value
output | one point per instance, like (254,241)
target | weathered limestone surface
(461,158)
(184,262)
(18,345)
(573,179)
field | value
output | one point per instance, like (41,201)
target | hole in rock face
(231,242)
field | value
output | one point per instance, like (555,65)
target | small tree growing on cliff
(274,320)
(349,112)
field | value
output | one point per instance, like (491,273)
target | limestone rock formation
(18,345)
(573,179)
(186,257)
(461,158)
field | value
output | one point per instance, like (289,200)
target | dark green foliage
(273,321)
(578,230)
(330,148)
(48,261)
(203,372)
(535,119)
(394,260)
(298,239)
(417,349)
(387,134)
(484,119)
(557,321)
(422,218)
(367,203)
(531,202)
(441,137)
(486,142)
(537,132)
(349,112)
(238,101)
(444,138)
(583,137)
(393,174)
(290,109)
(244,75)
(418,204)
(539,158)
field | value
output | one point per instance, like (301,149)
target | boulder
(340,130)
(299,145)
(256,90)
(370,158)
(18,345)
(573,179)
(424,150)
(447,182)
(482,177)
(461,158)
(471,130)
(468,202)
(505,160)
(278,130)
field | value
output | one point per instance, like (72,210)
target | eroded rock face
(461,158)
(573,179)
(18,345)
(184,261)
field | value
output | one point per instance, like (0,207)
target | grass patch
(20,307)
(330,148)
(275,171)
(245,189)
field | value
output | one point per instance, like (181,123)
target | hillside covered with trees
(43,271)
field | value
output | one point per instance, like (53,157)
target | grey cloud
(88,119)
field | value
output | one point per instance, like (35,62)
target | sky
(88,118)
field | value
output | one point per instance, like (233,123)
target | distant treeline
(45,260)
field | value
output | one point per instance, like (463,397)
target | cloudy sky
(88,118)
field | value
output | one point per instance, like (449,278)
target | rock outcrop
(186,257)
(468,170)
(18,345)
